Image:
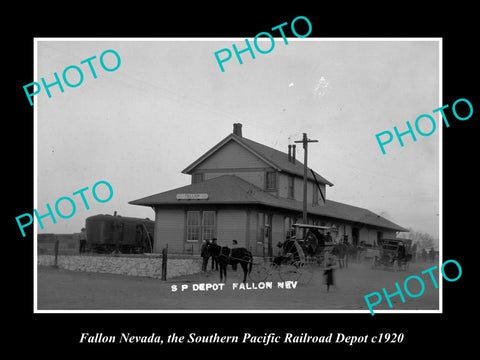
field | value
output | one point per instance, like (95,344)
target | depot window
(200,225)
(198,178)
(271,180)
(291,187)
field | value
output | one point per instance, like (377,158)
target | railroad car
(114,233)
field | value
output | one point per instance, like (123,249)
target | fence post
(164,262)
(56,253)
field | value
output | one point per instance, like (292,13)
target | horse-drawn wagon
(302,251)
(306,248)
(316,242)
(393,254)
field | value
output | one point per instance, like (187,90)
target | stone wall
(149,266)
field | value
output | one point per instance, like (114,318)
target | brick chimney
(293,153)
(290,153)
(237,129)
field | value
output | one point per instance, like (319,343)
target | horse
(233,257)
(402,261)
(341,252)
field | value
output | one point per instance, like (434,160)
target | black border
(427,334)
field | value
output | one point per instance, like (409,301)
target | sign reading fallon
(192,196)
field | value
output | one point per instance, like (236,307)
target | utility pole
(305,142)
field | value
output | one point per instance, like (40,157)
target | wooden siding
(251,231)
(256,178)
(232,155)
(241,224)
(169,229)
(283,185)
(389,234)
(298,188)
(231,225)
(369,235)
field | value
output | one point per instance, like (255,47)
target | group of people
(211,250)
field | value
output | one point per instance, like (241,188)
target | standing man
(214,252)
(414,252)
(83,240)
(204,253)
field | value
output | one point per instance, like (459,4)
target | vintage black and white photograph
(232,175)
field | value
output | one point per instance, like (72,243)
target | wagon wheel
(306,273)
(259,273)
(297,271)
(313,261)
(288,272)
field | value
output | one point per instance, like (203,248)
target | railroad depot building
(245,191)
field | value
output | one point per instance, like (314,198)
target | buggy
(393,254)
(305,247)
(314,242)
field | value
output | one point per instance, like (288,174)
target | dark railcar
(112,233)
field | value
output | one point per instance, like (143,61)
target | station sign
(192,196)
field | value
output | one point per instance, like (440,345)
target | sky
(168,103)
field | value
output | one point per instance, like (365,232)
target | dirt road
(66,290)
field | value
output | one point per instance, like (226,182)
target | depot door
(355,236)
(264,235)
(268,235)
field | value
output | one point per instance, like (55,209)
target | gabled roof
(224,189)
(232,190)
(275,158)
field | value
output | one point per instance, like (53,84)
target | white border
(35,180)
(385,39)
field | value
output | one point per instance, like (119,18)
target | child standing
(328,272)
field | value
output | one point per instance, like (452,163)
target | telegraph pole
(305,142)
